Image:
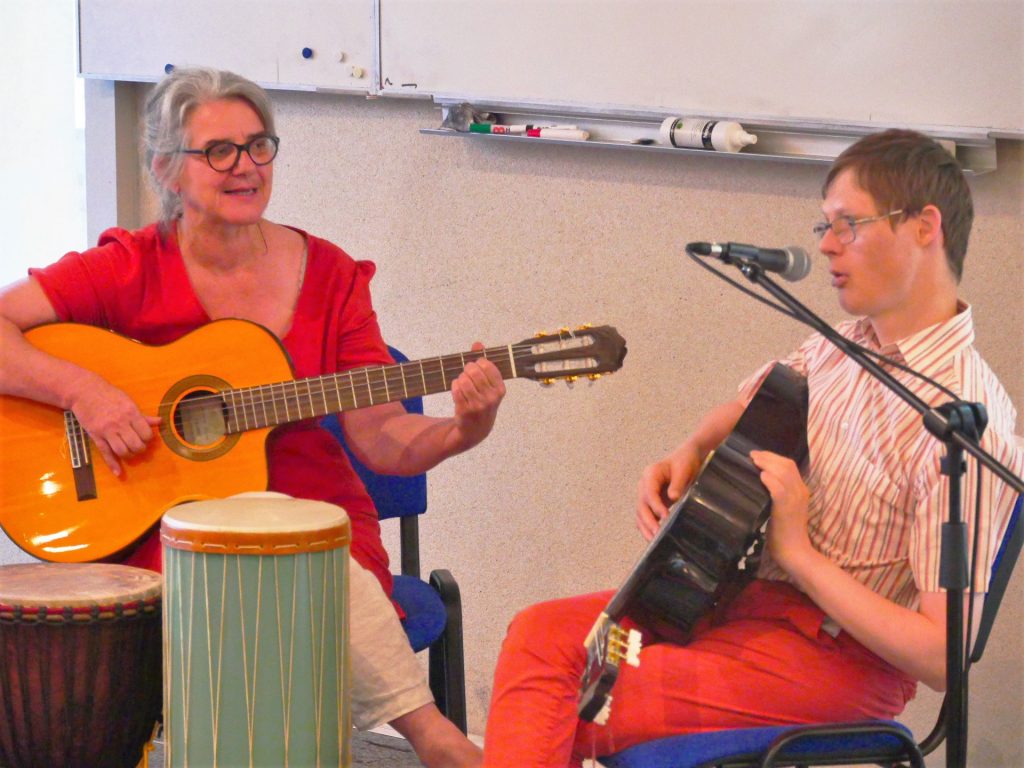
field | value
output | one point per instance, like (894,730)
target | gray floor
(369,750)
(378,750)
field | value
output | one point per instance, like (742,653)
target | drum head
(257,524)
(75,585)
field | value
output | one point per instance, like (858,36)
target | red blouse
(135,283)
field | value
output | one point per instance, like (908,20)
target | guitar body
(46,509)
(709,546)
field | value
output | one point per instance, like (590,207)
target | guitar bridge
(608,646)
(624,645)
(81,458)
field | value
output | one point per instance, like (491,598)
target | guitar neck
(270,405)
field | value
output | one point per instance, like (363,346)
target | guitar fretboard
(270,405)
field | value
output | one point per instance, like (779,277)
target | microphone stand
(958,426)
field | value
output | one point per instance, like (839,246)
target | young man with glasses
(846,614)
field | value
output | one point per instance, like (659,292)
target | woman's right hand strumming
(107,414)
(118,429)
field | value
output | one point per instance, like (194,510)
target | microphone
(791,263)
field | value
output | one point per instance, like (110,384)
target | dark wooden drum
(80,664)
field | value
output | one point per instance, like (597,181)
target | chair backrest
(1002,569)
(392,495)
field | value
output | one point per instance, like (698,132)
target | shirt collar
(926,350)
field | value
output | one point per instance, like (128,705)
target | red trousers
(764,661)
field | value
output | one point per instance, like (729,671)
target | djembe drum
(80,667)
(256,633)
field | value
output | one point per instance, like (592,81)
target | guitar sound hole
(201,418)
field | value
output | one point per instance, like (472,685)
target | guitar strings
(347,389)
(429,367)
(267,397)
(377,377)
(376,382)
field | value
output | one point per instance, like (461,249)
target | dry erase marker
(528,128)
(513,130)
(559,133)
(500,129)
(525,129)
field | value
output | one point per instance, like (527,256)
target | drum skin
(256,634)
(80,666)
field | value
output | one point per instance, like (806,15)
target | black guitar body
(707,548)
(711,542)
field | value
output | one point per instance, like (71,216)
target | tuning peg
(570,380)
(585,327)
(594,376)
(546,382)
(540,334)
(565,329)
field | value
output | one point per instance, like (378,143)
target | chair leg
(447,662)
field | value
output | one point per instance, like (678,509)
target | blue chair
(433,610)
(883,742)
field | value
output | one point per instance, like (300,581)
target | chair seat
(705,749)
(425,614)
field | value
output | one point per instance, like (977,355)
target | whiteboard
(912,63)
(264,40)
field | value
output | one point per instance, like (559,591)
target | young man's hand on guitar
(663,483)
(787,529)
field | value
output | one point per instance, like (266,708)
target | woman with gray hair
(210,144)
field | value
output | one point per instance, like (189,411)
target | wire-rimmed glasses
(845,227)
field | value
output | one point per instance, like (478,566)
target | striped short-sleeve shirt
(877,496)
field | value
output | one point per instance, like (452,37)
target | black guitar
(707,548)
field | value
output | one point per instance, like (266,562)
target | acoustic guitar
(707,547)
(59,502)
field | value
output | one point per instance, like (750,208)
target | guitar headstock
(570,354)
